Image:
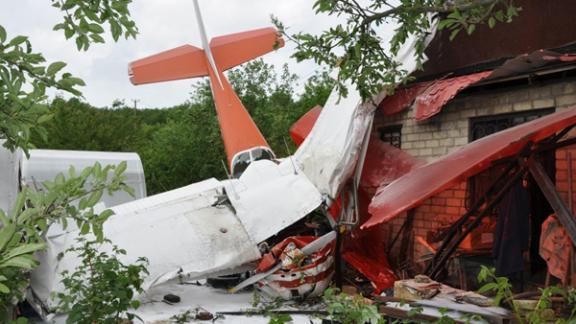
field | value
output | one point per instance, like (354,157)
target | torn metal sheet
(328,155)
(302,127)
(9,177)
(269,197)
(529,62)
(402,98)
(187,233)
(413,188)
(435,96)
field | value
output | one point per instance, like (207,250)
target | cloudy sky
(163,24)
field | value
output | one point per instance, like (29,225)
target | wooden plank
(549,190)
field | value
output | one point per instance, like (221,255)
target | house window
(484,126)
(392,135)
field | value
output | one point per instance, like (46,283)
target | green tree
(357,49)
(24,78)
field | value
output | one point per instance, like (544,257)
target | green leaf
(17,40)
(120,168)
(55,68)
(491,22)
(2,34)
(85,229)
(95,28)
(6,234)
(24,249)
(4,289)
(94,198)
(453,34)
(19,262)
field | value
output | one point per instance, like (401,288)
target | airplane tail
(243,141)
(187,61)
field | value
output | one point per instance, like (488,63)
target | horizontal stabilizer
(235,49)
(179,63)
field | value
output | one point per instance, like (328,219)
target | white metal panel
(183,233)
(9,177)
(270,197)
(44,165)
(329,154)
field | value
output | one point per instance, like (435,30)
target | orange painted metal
(422,183)
(235,49)
(303,126)
(179,63)
(239,132)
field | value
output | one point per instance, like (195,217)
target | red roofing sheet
(302,127)
(413,188)
(402,98)
(431,100)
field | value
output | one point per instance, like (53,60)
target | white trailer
(44,165)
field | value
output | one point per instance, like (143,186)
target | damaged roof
(414,187)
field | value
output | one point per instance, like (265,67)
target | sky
(163,24)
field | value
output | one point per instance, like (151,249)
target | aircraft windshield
(240,164)
(261,154)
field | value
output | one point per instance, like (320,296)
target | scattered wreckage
(290,223)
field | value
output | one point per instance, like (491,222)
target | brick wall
(449,130)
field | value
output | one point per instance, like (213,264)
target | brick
(441,135)
(543,103)
(566,100)
(439,151)
(425,152)
(502,109)
(454,133)
(570,87)
(468,113)
(454,202)
(462,124)
(447,142)
(521,106)
(419,144)
(407,145)
(432,143)
(452,210)
(438,201)
(437,209)
(425,136)
(411,137)
(459,193)
(460,141)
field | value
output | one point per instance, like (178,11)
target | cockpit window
(261,154)
(240,164)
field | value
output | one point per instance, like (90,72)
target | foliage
(503,290)
(67,198)
(357,49)
(182,144)
(346,309)
(101,290)
(25,75)
(83,20)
